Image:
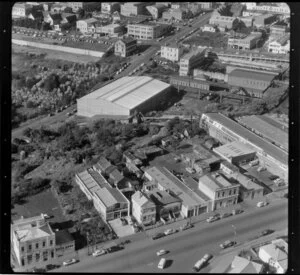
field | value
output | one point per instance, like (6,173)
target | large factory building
(124,96)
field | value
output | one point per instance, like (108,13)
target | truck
(198,265)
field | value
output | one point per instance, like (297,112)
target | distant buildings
(87,25)
(21,10)
(125,47)
(262,20)
(270,7)
(33,242)
(147,31)
(280,45)
(247,43)
(143,209)
(172,52)
(227,130)
(82,5)
(134,8)
(254,83)
(156,10)
(191,60)
(112,30)
(108,201)
(242,265)
(110,7)
(175,14)
(223,21)
(209,28)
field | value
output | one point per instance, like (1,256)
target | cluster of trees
(33,24)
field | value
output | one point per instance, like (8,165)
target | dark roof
(252,75)
(63,236)
(128,39)
(268,147)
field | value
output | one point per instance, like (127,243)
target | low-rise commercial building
(172,52)
(254,83)
(227,130)
(263,20)
(125,46)
(109,202)
(143,209)
(246,43)
(190,83)
(87,25)
(156,10)
(134,8)
(281,8)
(236,152)
(110,7)
(278,30)
(112,30)
(223,21)
(221,191)
(33,242)
(64,243)
(21,10)
(147,31)
(191,60)
(248,21)
(280,45)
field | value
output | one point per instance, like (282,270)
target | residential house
(143,209)
(102,166)
(108,201)
(278,30)
(228,167)
(276,255)
(36,15)
(87,25)
(130,158)
(82,5)
(21,10)
(242,265)
(156,10)
(115,176)
(33,242)
(134,169)
(149,151)
(220,190)
(110,7)
(125,46)
(248,21)
(147,31)
(64,243)
(134,8)
(116,17)
(172,52)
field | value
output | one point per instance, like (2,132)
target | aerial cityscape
(150,137)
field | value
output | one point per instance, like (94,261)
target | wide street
(188,246)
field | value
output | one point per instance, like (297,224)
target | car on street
(170,231)
(237,211)
(227,244)
(213,218)
(273,177)
(266,232)
(261,204)
(161,252)
(261,168)
(158,236)
(225,215)
(186,226)
(198,265)
(69,262)
(99,253)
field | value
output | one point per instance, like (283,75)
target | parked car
(99,253)
(69,262)
(266,232)
(170,231)
(158,236)
(273,177)
(261,168)
(198,265)
(237,211)
(51,266)
(213,218)
(186,226)
(39,270)
(161,252)
(227,244)
(261,204)
(225,215)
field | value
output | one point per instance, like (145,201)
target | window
(51,242)
(229,192)
(45,255)
(223,194)
(22,248)
(234,191)
(36,245)
(44,243)
(22,262)
(52,254)
(37,257)
(29,259)
(29,247)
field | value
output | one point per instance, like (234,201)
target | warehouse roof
(270,131)
(162,197)
(234,149)
(215,181)
(246,183)
(252,75)
(268,147)
(129,92)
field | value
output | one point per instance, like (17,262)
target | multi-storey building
(281,8)
(33,242)
(143,209)
(190,61)
(223,21)
(82,5)
(263,20)
(109,202)
(147,31)
(172,52)
(156,10)
(278,30)
(220,191)
(247,43)
(110,7)
(125,47)
(227,130)
(21,10)
(87,25)
(248,21)
(134,8)
(177,14)
(112,30)
(280,45)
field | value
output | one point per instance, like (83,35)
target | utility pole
(234,230)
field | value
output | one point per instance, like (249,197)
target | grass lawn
(44,202)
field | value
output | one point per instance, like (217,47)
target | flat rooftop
(269,148)
(234,149)
(252,75)
(215,181)
(261,125)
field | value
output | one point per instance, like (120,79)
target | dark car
(225,215)
(237,211)
(158,236)
(227,244)
(266,232)
(273,177)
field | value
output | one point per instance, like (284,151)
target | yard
(210,39)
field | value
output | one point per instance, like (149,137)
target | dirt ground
(55,54)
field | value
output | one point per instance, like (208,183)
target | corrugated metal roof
(234,149)
(129,92)
(252,75)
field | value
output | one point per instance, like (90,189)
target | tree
(68,10)
(51,82)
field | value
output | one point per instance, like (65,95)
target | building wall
(146,32)
(130,9)
(251,194)
(171,53)
(125,50)
(65,248)
(189,83)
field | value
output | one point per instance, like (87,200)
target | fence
(58,48)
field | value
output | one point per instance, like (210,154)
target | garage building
(124,96)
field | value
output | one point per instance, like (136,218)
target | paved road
(188,246)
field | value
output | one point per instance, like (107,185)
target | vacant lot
(43,202)
(215,40)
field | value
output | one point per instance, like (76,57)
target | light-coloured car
(161,252)
(162,263)
(213,218)
(69,262)
(261,204)
(227,244)
(170,231)
(99,253)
